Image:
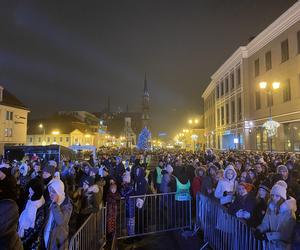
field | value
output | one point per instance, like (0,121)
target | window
(257,100)
(227,113)
(298,41)
(218,117)
(287,91)
(222,88)
(238,75)
(54,139)
(39,139)
(30,139)
(67,139)
(217,91)
(226,85)
(269,100)
(232,111)
(8,132)
(285,50)
(60,139)
(268,60)
(256,67)
(48,139)
(240,108)
(222,115)
(232,80)
(9,115)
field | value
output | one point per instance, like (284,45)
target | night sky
(72,55)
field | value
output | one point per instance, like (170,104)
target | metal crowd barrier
(222,230)
(92,233)
(159,213)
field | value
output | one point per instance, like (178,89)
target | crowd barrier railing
(92,233)
(153,213)
(222,230)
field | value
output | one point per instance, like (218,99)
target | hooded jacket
(281,225)
(225,185)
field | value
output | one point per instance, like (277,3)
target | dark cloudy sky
(71,55)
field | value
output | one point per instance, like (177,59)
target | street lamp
(41,126)
(270,125)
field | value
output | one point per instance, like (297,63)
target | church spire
(146,92)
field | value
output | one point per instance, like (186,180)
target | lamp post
(41,126)
(269,89)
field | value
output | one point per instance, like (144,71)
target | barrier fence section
(92,233)
(153,213)
(222,230)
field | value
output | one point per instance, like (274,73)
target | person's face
(46,175)
(161,163)
(86,169)
(262,193)
(113,189)
(284,173)
(252,174)
(258,168)
(201,173)
(275,198)
(212,172)
(238,165)
(229,174)
(243,176)
(242,190)
(37,168)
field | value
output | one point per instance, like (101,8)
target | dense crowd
(45,202)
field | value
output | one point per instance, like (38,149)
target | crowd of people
(45,202)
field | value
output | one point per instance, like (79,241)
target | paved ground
(162,241)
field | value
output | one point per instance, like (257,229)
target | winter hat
(88,180)
(282,183)
(36,185)
(59,188)
(49,169)
(249,187)
(203,169)
(169,169)
(266,185)
(126,177)
(282,167)
(278,189)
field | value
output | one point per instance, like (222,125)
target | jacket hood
(230,167)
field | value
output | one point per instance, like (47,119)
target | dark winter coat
(33,236)
(89,202)
(119,171)
(209,183)
(246,203)
(259,212)
(58,239)
(127,191)
(112,211)
(196,185)
(8,186)
(9,239)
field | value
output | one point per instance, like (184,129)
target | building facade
(242,107)
(13,120)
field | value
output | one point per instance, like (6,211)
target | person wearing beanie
(197,180)
(279,221)
(32,218)
(244,204)
(48,175)
(262,201)
(56,228)
(9,238)
(227,186)
(168,181)
(209,182)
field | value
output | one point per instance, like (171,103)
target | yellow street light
(87,136)
(196,121)
(276,85)
(263,85)
(41,125)
(190,121)
(55,132)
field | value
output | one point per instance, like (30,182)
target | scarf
(28,216)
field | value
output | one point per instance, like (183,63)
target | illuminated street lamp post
(41,126)
(270,125)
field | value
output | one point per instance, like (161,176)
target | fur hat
(282,167)
(278,189)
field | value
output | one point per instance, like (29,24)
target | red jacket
(196,185)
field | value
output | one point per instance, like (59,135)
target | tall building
(146,106)
(241,107)
(13,120)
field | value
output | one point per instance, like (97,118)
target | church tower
(146,106)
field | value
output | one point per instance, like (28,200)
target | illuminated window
(8,132)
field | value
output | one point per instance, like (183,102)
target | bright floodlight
(276,85)
(263,85)
(190,121)
(41,125)
(196,121)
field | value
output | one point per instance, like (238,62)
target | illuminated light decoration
(276,85)
(263,85)
(41,125)
(271,127)
(248,124)
(55,132)
(43,143)
(87,136)
(235,140)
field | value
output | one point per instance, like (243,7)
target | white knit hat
(278,189)
(282,183)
